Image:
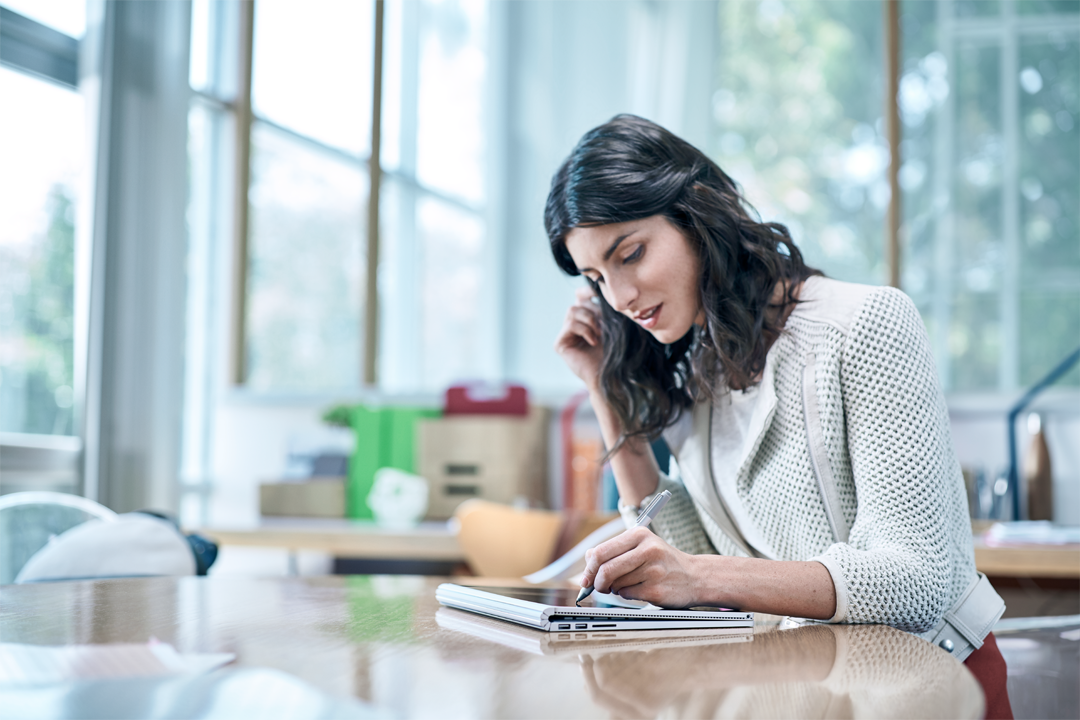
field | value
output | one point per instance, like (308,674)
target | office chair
(28,520)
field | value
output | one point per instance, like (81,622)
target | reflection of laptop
(574,643)
(553,610)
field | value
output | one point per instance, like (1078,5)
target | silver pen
(651,510)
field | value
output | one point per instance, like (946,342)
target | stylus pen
(651,510)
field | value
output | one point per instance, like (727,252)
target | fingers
(576,334)
(612,559)
(587,300)
(643,573)
(580,323)
(585,295)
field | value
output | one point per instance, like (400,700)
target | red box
(480,399)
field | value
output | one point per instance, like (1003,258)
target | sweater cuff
(839,585)
(630,513)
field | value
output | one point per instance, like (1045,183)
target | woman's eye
(634,255)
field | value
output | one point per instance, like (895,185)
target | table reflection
(780,670)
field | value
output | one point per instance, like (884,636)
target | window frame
(36,49)
(240,42)
(35,460)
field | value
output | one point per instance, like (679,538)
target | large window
(990,178)
(310,143)
(991,98)
(305,273)
(798,122)
(435,190)
(41,162)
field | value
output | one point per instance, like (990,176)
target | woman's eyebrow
(610,251)
(615,245)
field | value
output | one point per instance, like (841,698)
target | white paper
(1028,532)
(44,664)
(564,567)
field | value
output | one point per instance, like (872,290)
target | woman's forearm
(636,472)
(800,589)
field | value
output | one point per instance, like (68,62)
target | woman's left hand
(638,565)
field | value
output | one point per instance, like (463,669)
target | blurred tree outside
(1049,118)
(36,312)
(991,255)
(798,125)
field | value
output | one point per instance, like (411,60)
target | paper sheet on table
(43,664)
(1031,532)
(566,566)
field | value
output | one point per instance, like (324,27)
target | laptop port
(564,626)
(581,626)
(606,625)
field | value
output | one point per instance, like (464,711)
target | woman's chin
(669,334)
(665,336)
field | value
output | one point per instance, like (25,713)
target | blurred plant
(339,416)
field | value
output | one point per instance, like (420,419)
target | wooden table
(383,645)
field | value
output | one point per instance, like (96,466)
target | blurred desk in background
(435,545)
(358,546)
(1033,579)
(1040,561)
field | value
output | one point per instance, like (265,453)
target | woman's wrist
(799,588)
(709,571)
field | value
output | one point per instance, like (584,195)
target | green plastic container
(385,437)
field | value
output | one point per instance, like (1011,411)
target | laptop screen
(559,597)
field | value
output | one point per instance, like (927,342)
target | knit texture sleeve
(895,568)
(677,524)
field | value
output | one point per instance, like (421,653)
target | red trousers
(988,667)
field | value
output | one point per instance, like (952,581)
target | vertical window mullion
(371,288)
(242,109)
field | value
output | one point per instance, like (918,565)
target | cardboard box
(324,497)
(495,457)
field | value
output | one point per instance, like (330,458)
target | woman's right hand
(580,342)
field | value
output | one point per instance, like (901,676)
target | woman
(818,476)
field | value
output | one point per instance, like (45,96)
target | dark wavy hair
(629,169)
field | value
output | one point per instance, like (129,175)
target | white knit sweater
(909,554)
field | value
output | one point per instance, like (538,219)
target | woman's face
(645,269)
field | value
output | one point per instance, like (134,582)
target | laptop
(576,642)
(553,610)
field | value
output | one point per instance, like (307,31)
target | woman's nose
(622,297)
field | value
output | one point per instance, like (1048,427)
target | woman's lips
(649,318)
